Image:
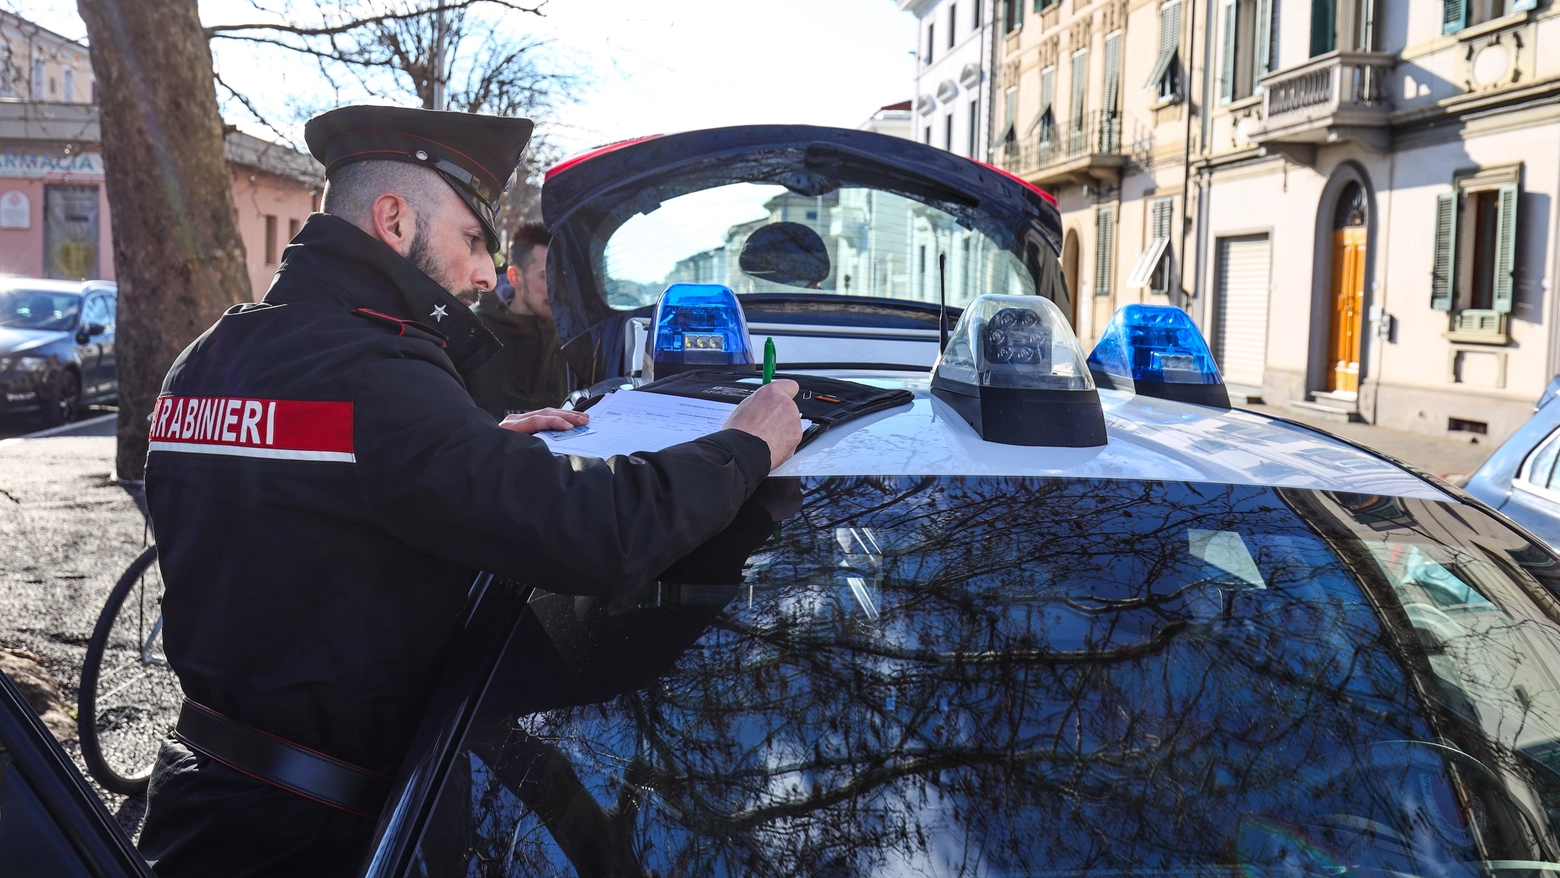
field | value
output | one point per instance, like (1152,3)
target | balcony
(1331,98)
(1081,151)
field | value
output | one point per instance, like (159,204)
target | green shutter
(1454,16)
(1263,56)
(1506,249)
(1080,73)
(1110,100)
(1444,264)
(1104,249)
(1227,62)
(1324,25)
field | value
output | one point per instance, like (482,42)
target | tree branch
(222,30)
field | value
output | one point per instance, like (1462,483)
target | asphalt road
(67,532)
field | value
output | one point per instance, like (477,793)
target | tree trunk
(177,252)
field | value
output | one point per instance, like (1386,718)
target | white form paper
(629,420)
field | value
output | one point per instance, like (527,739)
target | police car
(1061,612)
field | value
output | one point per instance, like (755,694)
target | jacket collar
(357,271)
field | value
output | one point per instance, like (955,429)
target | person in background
(529,373)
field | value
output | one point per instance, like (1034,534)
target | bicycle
(129,698)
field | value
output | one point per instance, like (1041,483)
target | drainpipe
(1186,150)
(990,27)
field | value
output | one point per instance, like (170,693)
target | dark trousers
(203,819)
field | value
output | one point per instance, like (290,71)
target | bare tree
(177,252)
(178,256)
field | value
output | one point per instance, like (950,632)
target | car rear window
(765,238)
(1026,676)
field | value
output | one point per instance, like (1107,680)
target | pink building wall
(256,194)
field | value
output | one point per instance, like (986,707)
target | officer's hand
(771,415)
(544,419)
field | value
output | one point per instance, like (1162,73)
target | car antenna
(942,296)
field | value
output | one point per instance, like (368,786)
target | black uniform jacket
(323,489)
(529,373)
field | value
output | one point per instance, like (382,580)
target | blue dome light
(698,326)
(1156,350)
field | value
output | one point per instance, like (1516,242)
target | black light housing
(1015,372)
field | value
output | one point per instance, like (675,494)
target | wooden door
(1348,294)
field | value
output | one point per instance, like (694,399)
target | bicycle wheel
(129,699)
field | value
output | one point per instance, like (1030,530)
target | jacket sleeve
(438,474)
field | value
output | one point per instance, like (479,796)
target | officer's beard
(421,257)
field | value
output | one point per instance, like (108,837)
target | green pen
(769,360)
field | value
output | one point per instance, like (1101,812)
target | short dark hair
(524,241)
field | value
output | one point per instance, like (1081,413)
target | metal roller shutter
(1244,272)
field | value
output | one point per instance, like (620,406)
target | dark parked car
(56,347)
(1050,615)
(1520,478)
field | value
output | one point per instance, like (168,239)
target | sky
(656,67)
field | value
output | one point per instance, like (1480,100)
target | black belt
(281,763)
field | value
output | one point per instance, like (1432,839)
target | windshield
(1023,676)
(39,309)
(761,238)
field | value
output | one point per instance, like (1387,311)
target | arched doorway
(1350,237)
(1070,272)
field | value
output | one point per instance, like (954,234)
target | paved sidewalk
(1450,459)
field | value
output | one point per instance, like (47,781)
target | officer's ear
(393,222)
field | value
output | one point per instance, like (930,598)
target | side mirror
(88,331)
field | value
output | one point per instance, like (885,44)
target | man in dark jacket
(323,490)
(529,373)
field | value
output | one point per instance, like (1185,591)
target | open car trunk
(823,233)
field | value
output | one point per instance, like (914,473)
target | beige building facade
(1354,199)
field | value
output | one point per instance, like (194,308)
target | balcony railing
(1338,88)
(1096,132)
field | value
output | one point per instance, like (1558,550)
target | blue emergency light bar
(1156,350)
(698,326)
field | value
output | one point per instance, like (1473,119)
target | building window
(931,36)
(1043,5)
(1458,14)
(292,229)
(1045,120)
(1247,47)
(270,239)
(37,80)
(974,134)
(975,15)
(926,136)
(1154,265)
(1474,264)
(1350,24)
(948,132)
(8,76)
(1009,138)
(1165,80)
(70,86)
(1104,249)
(953,22)
(1013,17)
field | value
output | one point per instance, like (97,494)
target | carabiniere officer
(323,491)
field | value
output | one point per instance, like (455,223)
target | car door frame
(89,352)
(70,802)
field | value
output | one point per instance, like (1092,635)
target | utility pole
(440,33)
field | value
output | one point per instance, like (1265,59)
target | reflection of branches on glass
(1007,676)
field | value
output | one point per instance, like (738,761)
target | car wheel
(65,404)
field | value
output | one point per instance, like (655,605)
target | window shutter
(1047,117)
(1262,58)
(1110,100)
(1444,261)
(1227,65)
(1080,72)
(1454,16)
(1164,210)
(1324,24)
(1506,249)
(1104,249)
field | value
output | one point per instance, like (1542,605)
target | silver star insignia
(439,313)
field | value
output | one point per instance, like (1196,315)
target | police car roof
(1148,439)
